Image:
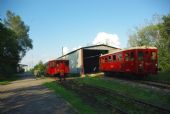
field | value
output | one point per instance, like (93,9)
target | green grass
(71,97)
(73,75)
(162,77)
(137,92)
(132,90)
(7,80)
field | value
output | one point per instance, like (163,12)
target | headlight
(140,65)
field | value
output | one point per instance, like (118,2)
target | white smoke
(65,50)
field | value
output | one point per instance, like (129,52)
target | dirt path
(28,96)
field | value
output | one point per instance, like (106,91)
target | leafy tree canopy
(14,42)
(9,54)
(40,66)
(15,23)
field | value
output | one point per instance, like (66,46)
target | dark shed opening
(91,60)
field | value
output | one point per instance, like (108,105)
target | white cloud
(65,50)
(108,39)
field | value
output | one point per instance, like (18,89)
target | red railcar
(55,67)
(138,60)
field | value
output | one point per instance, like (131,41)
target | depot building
(86,59)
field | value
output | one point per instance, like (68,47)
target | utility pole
(62,51)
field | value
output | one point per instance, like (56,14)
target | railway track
(149,83)
(88,94)
(155,84)
(93,90)
(130,98)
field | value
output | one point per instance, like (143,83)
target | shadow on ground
(35,99)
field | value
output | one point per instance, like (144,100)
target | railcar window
(140,56)
(132,56)
(52,64)
(147,56)
(110,59)
(153,55)
(126,56)
(114,57)
(57,64)
(119,57)
(105,60)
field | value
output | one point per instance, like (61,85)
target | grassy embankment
(145,94)
(134,91)
(71,97)
(7,80)
(162,77)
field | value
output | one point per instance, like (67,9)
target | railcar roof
(132,48)
(58,60)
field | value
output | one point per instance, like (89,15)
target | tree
(15,23)
(40,66)
(157,35)
(14,42)
(165,32)
(164,43)
(145,36)
(9,54)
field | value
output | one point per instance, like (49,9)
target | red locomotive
(56,67)
(137,60)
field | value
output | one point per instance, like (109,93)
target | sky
(72,24)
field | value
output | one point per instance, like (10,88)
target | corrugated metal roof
(87,48)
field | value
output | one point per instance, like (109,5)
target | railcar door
(132,61)
(101,63)
(120,62)
(112,63)
(151,64)
(61,67)
(57,68)
(66,66)
(116,62)
(140,62)
(104,63)
(129,61)
(52,67)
